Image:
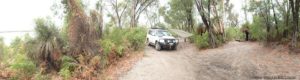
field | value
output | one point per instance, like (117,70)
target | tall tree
(275,17)
(231,18)
(152,14)
(295,5)
(119,9)
(263,9)
(179,14)
(138,6)
(206,19)
(188,7)
(217,11)
(285,10)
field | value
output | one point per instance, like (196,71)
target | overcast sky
(19,15)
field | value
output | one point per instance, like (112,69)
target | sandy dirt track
(232,61)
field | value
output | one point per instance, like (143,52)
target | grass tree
(46,47)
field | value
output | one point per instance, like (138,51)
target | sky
(19,15)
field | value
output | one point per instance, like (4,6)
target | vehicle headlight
(161,40)
(176,40)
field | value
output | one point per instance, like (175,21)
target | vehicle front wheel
(174,48)
(147,42)
(157,46)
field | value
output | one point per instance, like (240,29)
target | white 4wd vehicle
(161,39)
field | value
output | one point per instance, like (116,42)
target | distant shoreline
(10,36)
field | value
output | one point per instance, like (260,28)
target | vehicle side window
(150,32)
(153,33)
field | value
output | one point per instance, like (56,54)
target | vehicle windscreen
(163,33)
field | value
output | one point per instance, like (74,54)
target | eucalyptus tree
(205,14)
(179,14)
(295,5)
(137,8)
(119,9)
(231,18)
(263,9)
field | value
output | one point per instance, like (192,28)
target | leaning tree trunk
(210,28)
(206,21)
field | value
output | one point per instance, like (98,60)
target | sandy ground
(233,61)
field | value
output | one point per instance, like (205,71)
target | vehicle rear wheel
(157,46)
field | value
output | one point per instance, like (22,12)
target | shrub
(137,37)
(3,51)
(117,41)
(201,41)
(233,33)
(122,39)
(106,45)
(40,76)
(1,48)
(65,73)
(257,29)
(68,65)
(219,40)
(23,66)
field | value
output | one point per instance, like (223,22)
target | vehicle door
(150,36)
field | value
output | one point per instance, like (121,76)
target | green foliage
(114,40)
(257,29)
(160,25)
(45,30)
(2,48)
(47,42)
(201,41)
(233,33)
(64,33)
(178,12)
(65,73)
(67,8)
(10,52)
(137,37)
(219,40)
(120,50)
(40,76)
(122,39)
(173,33)
(23,66)
(68,66)
(106,45)
(17,45)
